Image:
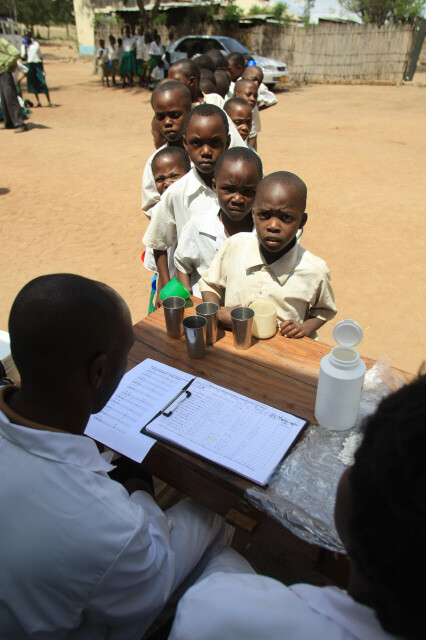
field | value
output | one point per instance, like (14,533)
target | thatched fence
(338,52)
(328,52)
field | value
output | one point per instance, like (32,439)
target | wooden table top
(280,372)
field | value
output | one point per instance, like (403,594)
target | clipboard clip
(163,411)
(167,414)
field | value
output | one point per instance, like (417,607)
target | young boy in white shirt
(247,89)
(237,175)
(206,137)
(241,114)
(235,68)
(265,99)
(272,265)
(171,103)
(169,165)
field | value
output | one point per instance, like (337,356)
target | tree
(381,11)
(45,12)
(232,15)
(306,15)
(148,16)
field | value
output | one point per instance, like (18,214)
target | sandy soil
(70,194)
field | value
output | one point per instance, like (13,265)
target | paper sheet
(241,434)
(141,394)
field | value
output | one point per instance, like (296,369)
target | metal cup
(209,311)
(242,321)
(173,314)
(195,336)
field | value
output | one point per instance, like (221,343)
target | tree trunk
(147,18)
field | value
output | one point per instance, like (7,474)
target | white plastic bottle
(341,379)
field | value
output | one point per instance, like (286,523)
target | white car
(273,70)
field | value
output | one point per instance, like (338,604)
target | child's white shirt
(255,123)
(129,44)
(264,95)
(184,198)
(150,195)
(157,73)
(201,238)
(298,283)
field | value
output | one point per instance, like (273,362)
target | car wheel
(271,86)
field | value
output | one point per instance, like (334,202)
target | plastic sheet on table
(301,493)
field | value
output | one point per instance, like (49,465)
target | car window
(16,30)
(212,43)
(233,45)
(190,46)
(7,29)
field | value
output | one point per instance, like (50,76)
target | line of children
(237,174)
(201,228)
(206,137)
(247,89)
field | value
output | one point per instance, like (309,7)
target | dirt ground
(70,194)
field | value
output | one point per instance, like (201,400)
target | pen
(163,410)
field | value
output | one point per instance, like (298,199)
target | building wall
(84,16)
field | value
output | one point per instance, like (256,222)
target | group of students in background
(14,66)
(138,54)
(227,232)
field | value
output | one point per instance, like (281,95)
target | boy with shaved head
(265,98)
(80,557)
(272,265)
(188,72)
(171,102)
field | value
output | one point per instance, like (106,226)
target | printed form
(141,394)
(231,430)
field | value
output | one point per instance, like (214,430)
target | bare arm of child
(160,258)
(184,279)
(252,142)
(293,329)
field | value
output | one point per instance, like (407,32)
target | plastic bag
(301,493)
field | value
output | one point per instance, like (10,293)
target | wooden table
(280,372)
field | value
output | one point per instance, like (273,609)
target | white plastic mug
(265,319)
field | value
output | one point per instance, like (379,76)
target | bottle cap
(347,333)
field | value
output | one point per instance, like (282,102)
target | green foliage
(232,15)
(256,10)
(382,11)
(105,20)
(160,18)
(44,12)
(279,11)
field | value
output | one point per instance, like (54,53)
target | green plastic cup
(174,288)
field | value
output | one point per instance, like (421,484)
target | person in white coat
(380,515)
(82,556)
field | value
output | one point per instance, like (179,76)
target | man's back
(69,536)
